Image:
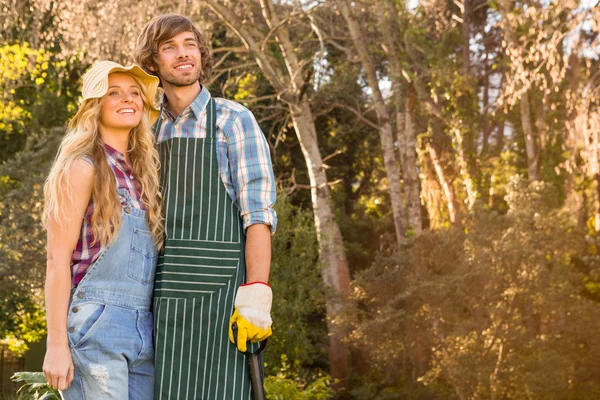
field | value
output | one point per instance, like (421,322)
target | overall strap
(211,119)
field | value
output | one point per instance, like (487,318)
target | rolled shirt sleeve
(251,171)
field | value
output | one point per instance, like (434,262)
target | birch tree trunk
(405,131)
(383,117)
(410,170)
(447,188)
(531,146)
(527,125)
(289,82)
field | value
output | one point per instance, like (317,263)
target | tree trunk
(451,201)
(331,250)
(332,256)
(404,123)
(385,127)
(531,147)
(410,170)
(461,159)
(466,31)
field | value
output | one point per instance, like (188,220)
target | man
(218,192)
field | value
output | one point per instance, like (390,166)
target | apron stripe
(199,341)
(185,197)
(189,369)
(194,156)
(201,192)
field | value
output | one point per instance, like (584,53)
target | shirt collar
(116,155)
(197,106)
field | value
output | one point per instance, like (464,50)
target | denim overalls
(109,322)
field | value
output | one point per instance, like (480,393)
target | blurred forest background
(438,167)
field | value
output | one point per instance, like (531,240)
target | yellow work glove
(252,314)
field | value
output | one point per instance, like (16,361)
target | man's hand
(58,367)
(252,314)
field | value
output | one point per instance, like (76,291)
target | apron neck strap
(211,119)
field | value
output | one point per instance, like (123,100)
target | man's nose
(182,52)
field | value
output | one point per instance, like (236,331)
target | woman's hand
(58,367)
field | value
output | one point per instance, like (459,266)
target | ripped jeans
(110,321)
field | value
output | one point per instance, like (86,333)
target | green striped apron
(197,276)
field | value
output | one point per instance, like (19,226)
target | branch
(355,112)
(248,35)
(239,49)
(335,153)
(294,67)
(220,72)
(272,31)
(261,98)
(295,186)
(350,55)
(221,60)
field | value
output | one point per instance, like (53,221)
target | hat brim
(98,85)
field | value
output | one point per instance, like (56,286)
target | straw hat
(95,82)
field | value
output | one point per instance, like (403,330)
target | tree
(384,121)
(291,81)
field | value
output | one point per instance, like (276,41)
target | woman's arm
(62,239)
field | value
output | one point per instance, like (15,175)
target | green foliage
(22,242)
(287,384)
(35,387)
(35,91)
(498,307)
(299,330)
(20,67)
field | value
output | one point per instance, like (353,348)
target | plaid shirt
(85,252)
(242,153)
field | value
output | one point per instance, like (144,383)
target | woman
(102,213)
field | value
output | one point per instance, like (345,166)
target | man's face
(179,61)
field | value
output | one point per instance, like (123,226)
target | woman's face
(122,105)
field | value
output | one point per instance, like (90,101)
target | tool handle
(256,373)
(256,376)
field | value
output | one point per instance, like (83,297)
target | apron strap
(211,119)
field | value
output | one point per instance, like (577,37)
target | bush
(499,309)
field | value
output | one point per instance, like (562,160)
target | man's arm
(258,253)
(254,186)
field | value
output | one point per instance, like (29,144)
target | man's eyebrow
(190,39)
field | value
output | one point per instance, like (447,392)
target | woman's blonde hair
(83,140)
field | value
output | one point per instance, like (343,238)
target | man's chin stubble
(182,82)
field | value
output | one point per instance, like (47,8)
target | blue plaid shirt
(242,153)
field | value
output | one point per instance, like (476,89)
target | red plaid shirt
(86,253)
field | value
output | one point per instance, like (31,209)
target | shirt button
(127,210)
(81,295)
(130,176)
(74,309)
(71,329)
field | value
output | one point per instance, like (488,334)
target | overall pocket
(82,320)
(142,259)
